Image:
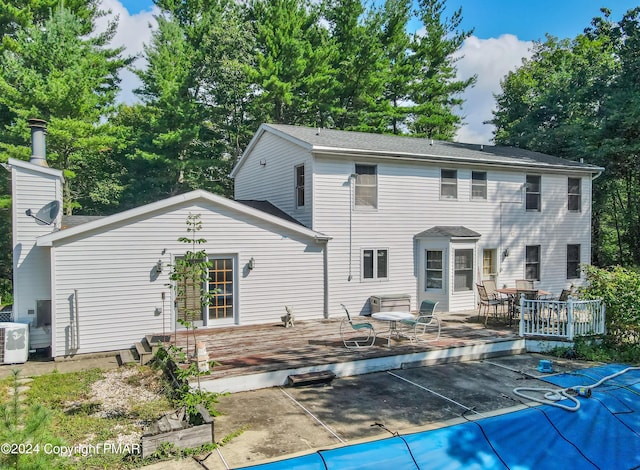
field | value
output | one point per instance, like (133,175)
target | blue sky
(502,37)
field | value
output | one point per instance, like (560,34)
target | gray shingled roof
(454,231)
(332,140)
(267,207)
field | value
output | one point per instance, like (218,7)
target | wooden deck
(245,350)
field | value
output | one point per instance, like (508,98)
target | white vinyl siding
(266,176)
(32,189)
(123,301)
(409,203)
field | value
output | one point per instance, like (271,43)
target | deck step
(310,378)
(155,341)
(126,357)
(144,352)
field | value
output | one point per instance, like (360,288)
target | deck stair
(142,351)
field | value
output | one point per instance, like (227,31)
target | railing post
(570,330)
(520,300)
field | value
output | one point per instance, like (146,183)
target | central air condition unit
(14,342)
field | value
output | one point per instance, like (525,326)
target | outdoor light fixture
(263,162)
(251,264)
(505,253)
(159,266)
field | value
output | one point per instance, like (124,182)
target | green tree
(577,99)
(435,91)
(196,96)
(358,61)
(56,72)
(396,43)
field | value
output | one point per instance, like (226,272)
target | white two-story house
(423,218)
(320,218)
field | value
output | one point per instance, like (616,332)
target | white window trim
(539,262)
(539,193)
(375,277)
(448,198)
(579,195)
(579,259)
(304,186)
(443,270)
(485,186)
(355,184)
(453,269)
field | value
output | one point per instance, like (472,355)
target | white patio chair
(419,327)
(349,331)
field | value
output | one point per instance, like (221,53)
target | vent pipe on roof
(38,142)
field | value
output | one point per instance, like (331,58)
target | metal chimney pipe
(38,142)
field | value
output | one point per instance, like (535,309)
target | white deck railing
(561,319)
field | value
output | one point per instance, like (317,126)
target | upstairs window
(448,184)
(375,264)
(573,261)
(532,262)
(300,186)
(574,194)
(533,193)
(366,186)
(478,185)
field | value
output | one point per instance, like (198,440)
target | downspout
(326,279)
(52,269)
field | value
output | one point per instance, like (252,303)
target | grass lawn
(88,419)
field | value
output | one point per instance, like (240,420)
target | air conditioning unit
(14,343)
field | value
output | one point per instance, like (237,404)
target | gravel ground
(117,394)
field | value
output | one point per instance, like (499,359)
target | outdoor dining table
(393,318)
(512,292)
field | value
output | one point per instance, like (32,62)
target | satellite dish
(47,214)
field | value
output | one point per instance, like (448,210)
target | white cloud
(490,59)
(132,33)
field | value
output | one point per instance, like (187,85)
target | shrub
(619,288)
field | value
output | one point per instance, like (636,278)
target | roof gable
(104,223)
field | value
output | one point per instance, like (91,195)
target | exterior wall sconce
(251,264)
(159,266)
(505,253)
(263,162)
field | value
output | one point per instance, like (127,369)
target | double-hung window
(375,263)
(300,186)
(448,184)
(532,262)
(478,185)
(366,186)
(463,270)
(573,261)
(434,269)
(533,193)
(574,195)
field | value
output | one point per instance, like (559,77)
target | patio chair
(491,288)
(349,331)
(426,318)
(487,302)
(524,284)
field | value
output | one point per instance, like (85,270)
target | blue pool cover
(603,434)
